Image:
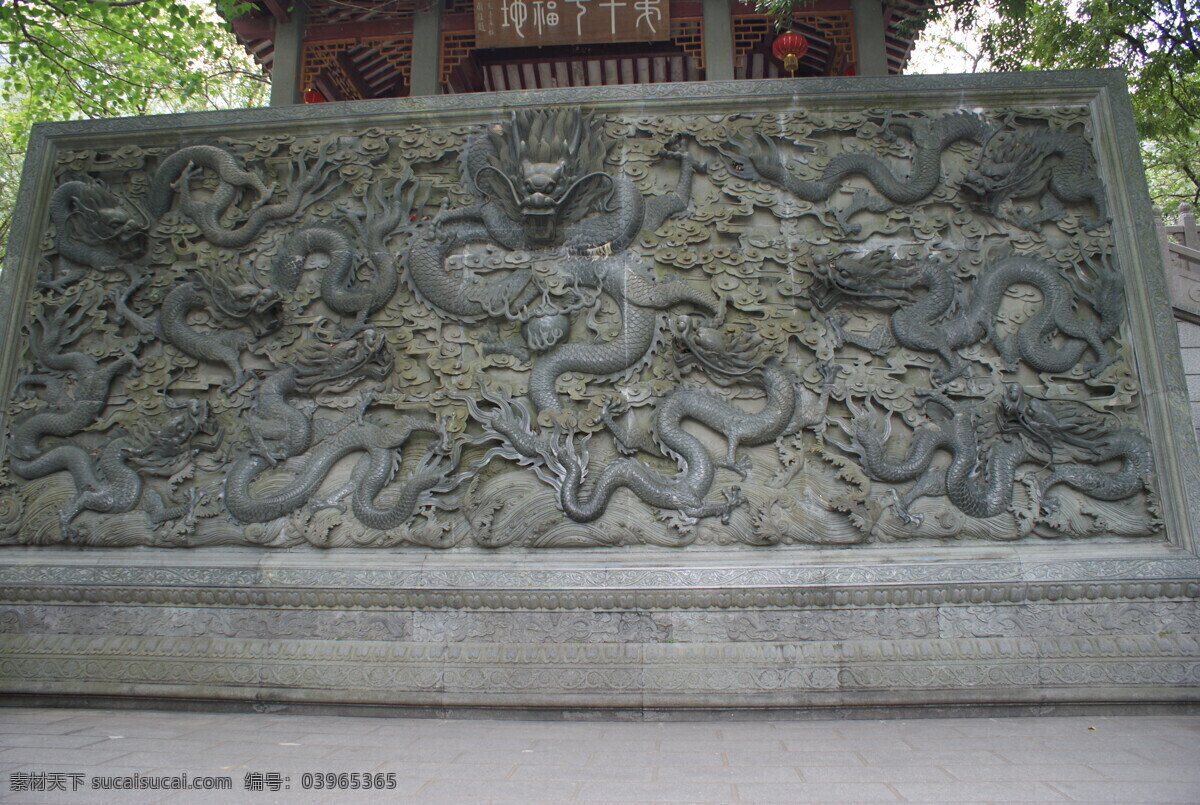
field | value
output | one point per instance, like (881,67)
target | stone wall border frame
(647,672)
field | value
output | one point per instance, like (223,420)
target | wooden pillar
(870,38)
(288,58)
(427,51)
(718,41)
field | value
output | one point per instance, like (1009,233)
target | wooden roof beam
(254,26)
(371,29)
(350,70)
(324,84)
(278,10)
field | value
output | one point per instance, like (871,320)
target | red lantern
(789,48)
(313,96)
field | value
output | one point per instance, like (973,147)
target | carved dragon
(928,322)
(1089,439)
(64,415)
(341,289)
(731,358)
(979,483)
(543,186)
(95,229)
(980,477)
(305,185)
(104,484)
(756,157)
(281,431)
(229,293)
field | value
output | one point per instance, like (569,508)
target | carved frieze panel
(584,324)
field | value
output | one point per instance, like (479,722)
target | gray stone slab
(86,756)
(783,794)
(542,755)
(708,773)
(529,790)
(41,741)
(37,728)
(536,627)
(1046,772)
(1097,757)
(195,743)
(1189,334)
(960,791)
(583,773)
(1165,753)
(615,756)
(746,756)
(983,757)
(833,743)
(655,792)
(445,770)
(1191,362)
(646,631)
(407,754)
(34,715)
(1149,772)
(775,626)
(1052,619)
(1162,792)
(88,797)
(874,774)
(198,621)
(264,750)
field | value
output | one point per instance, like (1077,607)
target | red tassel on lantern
(313,96)
(789,48)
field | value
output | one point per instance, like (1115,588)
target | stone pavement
(280,758)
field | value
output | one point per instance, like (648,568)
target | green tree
(71,59)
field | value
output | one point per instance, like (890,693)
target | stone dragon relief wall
(575,326)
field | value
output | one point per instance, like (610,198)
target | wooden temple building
(368,49)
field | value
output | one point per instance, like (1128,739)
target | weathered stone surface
(835,582)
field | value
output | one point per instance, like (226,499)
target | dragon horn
(612,185)
(511,187)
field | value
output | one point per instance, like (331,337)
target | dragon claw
(320,504)
(1095,368)
(898,506)
(741,466)
(838,331)
(733,499)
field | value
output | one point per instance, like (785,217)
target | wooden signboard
(522,23)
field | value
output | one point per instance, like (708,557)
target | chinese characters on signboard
(519,23)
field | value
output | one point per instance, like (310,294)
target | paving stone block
(529,790)
(959,791)
(1048,772)
(1156,792)
(656,792)
(793,794)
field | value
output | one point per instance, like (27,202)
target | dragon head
(238,298)
(877,279)
(187,420)
(751,156)
(98,218)
(727,353)
(335,366)
(1010,166)
(1052,422)
(546,167)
